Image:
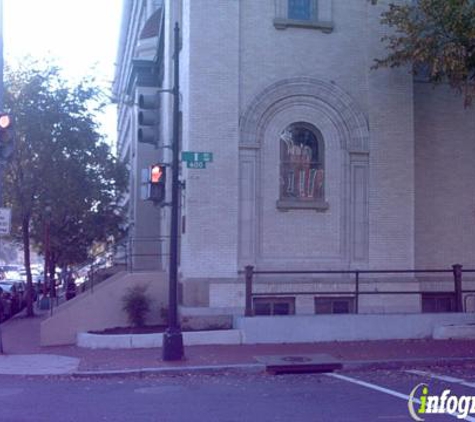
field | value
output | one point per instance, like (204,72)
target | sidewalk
(23,354)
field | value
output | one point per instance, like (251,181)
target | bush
(136,305)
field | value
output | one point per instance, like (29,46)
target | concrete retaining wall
(102,308)
(306,329)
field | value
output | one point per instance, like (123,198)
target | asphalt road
(380,395)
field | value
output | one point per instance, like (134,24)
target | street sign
(5,221)
(191,156)
(196,164)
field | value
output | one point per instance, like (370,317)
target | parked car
(35,275)
(5,305)
(11,272)
(12,296)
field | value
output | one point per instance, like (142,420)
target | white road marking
(374,387)
(387,391)
(446,378)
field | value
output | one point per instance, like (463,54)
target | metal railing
(128,255)
(145,253)
(123,257)
(456,270)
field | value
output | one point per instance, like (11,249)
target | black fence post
(457,270)
(91,280)
(126,255)
(357,290)
(249,272)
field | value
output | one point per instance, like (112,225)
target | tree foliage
(436,37)
(62,173)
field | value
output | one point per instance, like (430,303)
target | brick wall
(211,124)
(232,54)
(445,174)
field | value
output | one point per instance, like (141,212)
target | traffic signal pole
(2,161)
(173,338)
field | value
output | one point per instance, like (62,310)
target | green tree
(437,37)
(60,164)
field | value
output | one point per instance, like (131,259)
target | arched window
(301,164)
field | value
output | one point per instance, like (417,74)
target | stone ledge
(282,23)
(286,205)
(449,332)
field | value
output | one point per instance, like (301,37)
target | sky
(79,34)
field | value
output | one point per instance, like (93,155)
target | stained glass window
(301,170)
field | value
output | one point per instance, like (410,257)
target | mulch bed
(148,329)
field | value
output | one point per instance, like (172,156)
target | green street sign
(191,156)
(196,164)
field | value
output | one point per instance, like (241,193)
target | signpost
(196,160)
(5,221)
(173,338)
(196,164)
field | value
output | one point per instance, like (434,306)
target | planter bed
(133,341)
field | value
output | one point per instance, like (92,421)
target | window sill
(281,23)
(286,205)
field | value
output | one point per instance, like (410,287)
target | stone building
(319,162)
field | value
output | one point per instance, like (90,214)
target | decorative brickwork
(341,223)
(338,104)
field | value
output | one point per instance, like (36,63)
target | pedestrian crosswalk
(442,377)
(427,393)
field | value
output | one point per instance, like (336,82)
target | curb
(362,365)
(256,368)
(251,368)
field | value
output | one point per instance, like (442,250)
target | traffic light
(148,118)
(6,135)
(156,185)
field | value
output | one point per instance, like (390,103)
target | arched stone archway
(307,90)
(336,237)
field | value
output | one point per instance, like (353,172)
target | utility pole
(173,338)
(1,55)
(2,162)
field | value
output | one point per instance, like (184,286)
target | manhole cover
(295,359)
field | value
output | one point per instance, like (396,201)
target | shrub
(137,305)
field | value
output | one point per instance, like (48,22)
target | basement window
(274,306)
(438,302)
(334,305)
